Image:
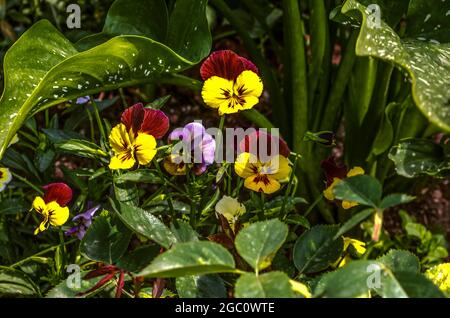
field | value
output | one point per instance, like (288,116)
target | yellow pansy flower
(328,192)
(231,82)
(262,176)
(359,246)
(440,276)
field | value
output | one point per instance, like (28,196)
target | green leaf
(62,290)
(408,284)
(385,135)
(395,199)
(43,68)
(363,189)
(426,63)
(105,241)
(427,20)
(159,102)
(13,206)
(139,176)
(144,223)
(193,258)
(317,249)
(414,157)
(16,283)
(81,148)
(58,135)
(268,285)
(201,286)
(258,243)
(136,260)
(354,221)
(400,261)
(183,232)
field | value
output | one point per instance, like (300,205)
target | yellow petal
(300,288)
(356,171)
(5,175)
(328,193)
(264,184)
(217,91)
(248,84)
(279,165)
(42,227)
(349,204)
(145,148)
(174,168)
(246,165)
(122,161)
(120,140)
(229,207)
(358,245)
(57,215)
(39,205)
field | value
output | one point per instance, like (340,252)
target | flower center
(234,98)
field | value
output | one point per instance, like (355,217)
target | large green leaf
(428,20)
(400,261)
(428,64)
(43,68)
(317,248)
(16,283)
(144,223)
(106,240)
(193,258)
(136,260)
(414,157)
(65,290)
(363,189)
(268,285)
(201,286)
(259,242)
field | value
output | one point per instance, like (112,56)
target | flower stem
(98,119)
(37,189)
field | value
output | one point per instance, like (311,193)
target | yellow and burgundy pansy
(5,178)
(53,206)
(262,176)
(134,139)
(334,175)
(231,83)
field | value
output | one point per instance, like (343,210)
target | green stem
(288,190)
(41,253)
(297,64)
(98,119)
(36,188)
(332,109)
(311,207)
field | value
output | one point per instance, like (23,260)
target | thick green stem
(295,46)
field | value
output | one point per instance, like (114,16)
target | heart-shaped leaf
(106,240)
(268,285)
(193,258)
(259,242)
(144,223)
(317,249)
(363,189)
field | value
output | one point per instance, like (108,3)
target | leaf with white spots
(427,64)
(415,157)
(43,68)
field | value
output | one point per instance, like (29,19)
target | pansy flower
(231,82)
(5,178)
(53,206)
(134,139)
(263,169)
(83,221)
(334,175)
(197,149)
(231,209)
(358,247)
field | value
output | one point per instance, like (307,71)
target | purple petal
(82,100)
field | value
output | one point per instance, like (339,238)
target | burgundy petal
(225,64)
(332,170)
(254,139)
(133,117)
(155,123)
(59,192)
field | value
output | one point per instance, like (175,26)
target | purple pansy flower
(82,221)
(196,147)
(82,100)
